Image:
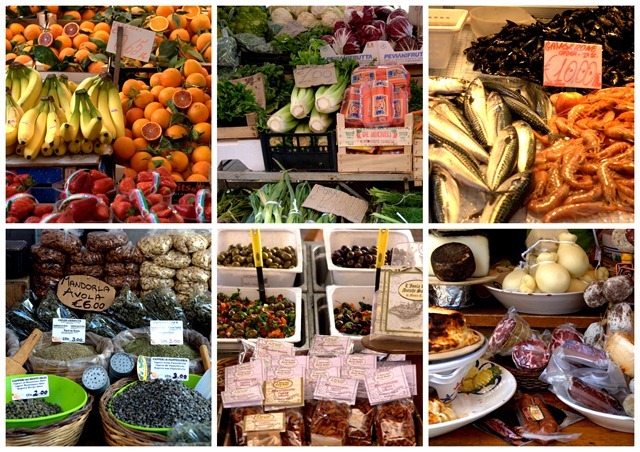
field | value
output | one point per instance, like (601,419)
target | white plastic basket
(444,26)
(336,295)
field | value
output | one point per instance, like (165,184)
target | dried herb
(141,346)
(67,351)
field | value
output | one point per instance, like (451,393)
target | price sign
(570,64)
(329,200)
(29,388)
(315,75)
(69,330)
(86,293)
(169,368)
(137,43)
(166,332)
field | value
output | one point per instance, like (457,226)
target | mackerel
(523,111)
(446,196)
(475,108)
(503,157)
(459,164)
(541,102)
(452,113)
(446,85)
(510,197)
(446,132)
(498,114)
(526,145)
(504,90)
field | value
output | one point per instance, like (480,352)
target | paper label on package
(166,332)
(310,75)
(331,345)
(29,387)
(319,363)
(266,347)
(386,385)
(69,330)
(252,281)
(339,389)
(279,372)
(284,392)
(264,422)
(314,374)
(409,372)
(386,54)
(382,136)
(400,303)
(137,43)
(241,397)
(290,361)
(169,368)
(360,360)
(244,375)
(329,200)
(355,366)
(572,64)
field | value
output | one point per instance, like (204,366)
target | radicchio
(368,33)
(399,27)
(345,43)
(381,12)
(406,43)
(397,13)
(338,25)
(355,18)
(328,38)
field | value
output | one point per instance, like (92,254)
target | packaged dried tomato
(308,410)
(237,417)
(330,423)
(360,424)
(394,423)
(294,435)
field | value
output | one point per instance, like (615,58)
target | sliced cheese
(479,245)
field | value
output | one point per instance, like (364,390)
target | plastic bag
(237,417)
(190,433)
(198,310)
(329,423)
(65,241)
(103,325)
(531,354)
(12,343)
(103,242)
(162,304)
(538,422)
(360,424)
(50,308)
(294,434)
(562,333)
(510,330)
(394,423)
(129,310)
(22,317)
(228,55)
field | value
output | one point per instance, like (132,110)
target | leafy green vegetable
(244,19)
(415,103)
(238,101)
(277,88)
(302,42)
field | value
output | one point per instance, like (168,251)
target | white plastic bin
(444,26)
(336,295)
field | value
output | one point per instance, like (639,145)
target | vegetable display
(242,317)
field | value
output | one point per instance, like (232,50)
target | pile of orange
(148,118)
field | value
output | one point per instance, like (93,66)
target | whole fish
(511,193)
(498,114)
(523,111)
(503,157)
(452,113)
(526,145)
(446,85)
(541,102)
(506,88)
(446,132)
(475,108)
(446,196)
(459,164)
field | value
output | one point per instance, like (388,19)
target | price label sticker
(30,388)
(315,75)
(571,64)
(137,43)
(69,330)
(166,332)
(169,368)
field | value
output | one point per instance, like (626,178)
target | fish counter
(532,348)
(505,145)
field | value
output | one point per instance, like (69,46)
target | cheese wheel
(479,246)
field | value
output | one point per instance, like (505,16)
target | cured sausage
(536,417)
(531,354)
(593,398)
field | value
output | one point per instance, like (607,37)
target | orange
(201,154)
(176,132)
(177,21)
(179,161)
(155,79)
(16,29)
(204,130)
(8,34)
(101,26)
(65,53)
(124,149)
(10,56)
(88,14)
(161,117)
(143,98)
(180,33)
(197,95)
(132,83)
(158,23)
(191,11)
(207,54)
(157,162)
(127,133)
(191,67)
(203,40)
(151,131)
(8,45)
(56,30)
(141,144)
(133,114)
(149,109)
(81,55)
(101,34)
(164,11)
(53,9)
(200,23)
(177,177)
(32,32)
(140,161)
(198,113)
(182,98)
(87,26)
(19,39)
(171,77)
(80,39)
(156,90)
(96,67)
(194,39)
(24,59)
(70,15)
(197,79)
(165,95)
(136,128)
(90,46)
(202,168)
(197,178)
(62,42)
(130,172)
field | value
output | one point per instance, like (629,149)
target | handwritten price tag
(29,388)
(169,368)
(314,75)
(69,330)
(136,42)
(569,64)
(166,332)
(86,293)
(329,200)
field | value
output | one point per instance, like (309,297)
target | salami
(531,354)
(562,333)
(593,398)
(536,417)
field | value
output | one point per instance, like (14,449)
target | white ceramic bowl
(487,20)
(610,421)
(540,303)
(447,376)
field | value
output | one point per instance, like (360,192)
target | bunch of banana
(25,84)
(39,129)
(13,113)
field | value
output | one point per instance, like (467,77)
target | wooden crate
(250,131)
(418,170)
(15,289)
(387,136)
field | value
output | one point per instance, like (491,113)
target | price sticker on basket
(572,64)
(86,293)
(30,387)
(169,368)
(166,332)
(69,330)
(137,43)
(309,75)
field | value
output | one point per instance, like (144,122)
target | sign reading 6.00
(570,64)
(315,75)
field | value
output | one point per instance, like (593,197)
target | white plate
(478,342)
(540,303)
(470,407)
(610,421)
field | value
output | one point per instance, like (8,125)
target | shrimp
(586,196)
(570,164)
(619,132)
(549,202)
(573,212)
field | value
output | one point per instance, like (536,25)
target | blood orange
(71,29)
(45,39)
(151,131)
(182,98)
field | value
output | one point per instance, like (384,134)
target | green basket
(191,383)
(64,392)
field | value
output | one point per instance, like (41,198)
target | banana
(26,127)
(13,114)
(69,130)
(23,75)
(11,149)
(99,148)
(115,110)
(30,96)
(103,109)
(46,151)
(87,83)
(86,146)
(52,128)
(13,82)
(95,126)
(94,92)
(62,116)
(64,95)
(33,147)
(74,146)
(90,119)
(61,149)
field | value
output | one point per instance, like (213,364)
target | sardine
(452,113)
(475,108)
(498,114)
(510,197)
(446,85)
(446,196)
(502,87)
(541,102)
(446,132)
(523,111)
(503,157)
(459,164)
(526,145)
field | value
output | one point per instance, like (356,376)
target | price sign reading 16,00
(568,64)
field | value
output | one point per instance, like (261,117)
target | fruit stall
(319,98)
(115,93)
(319,337)
(108,337)
(531,337)
(531,114)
